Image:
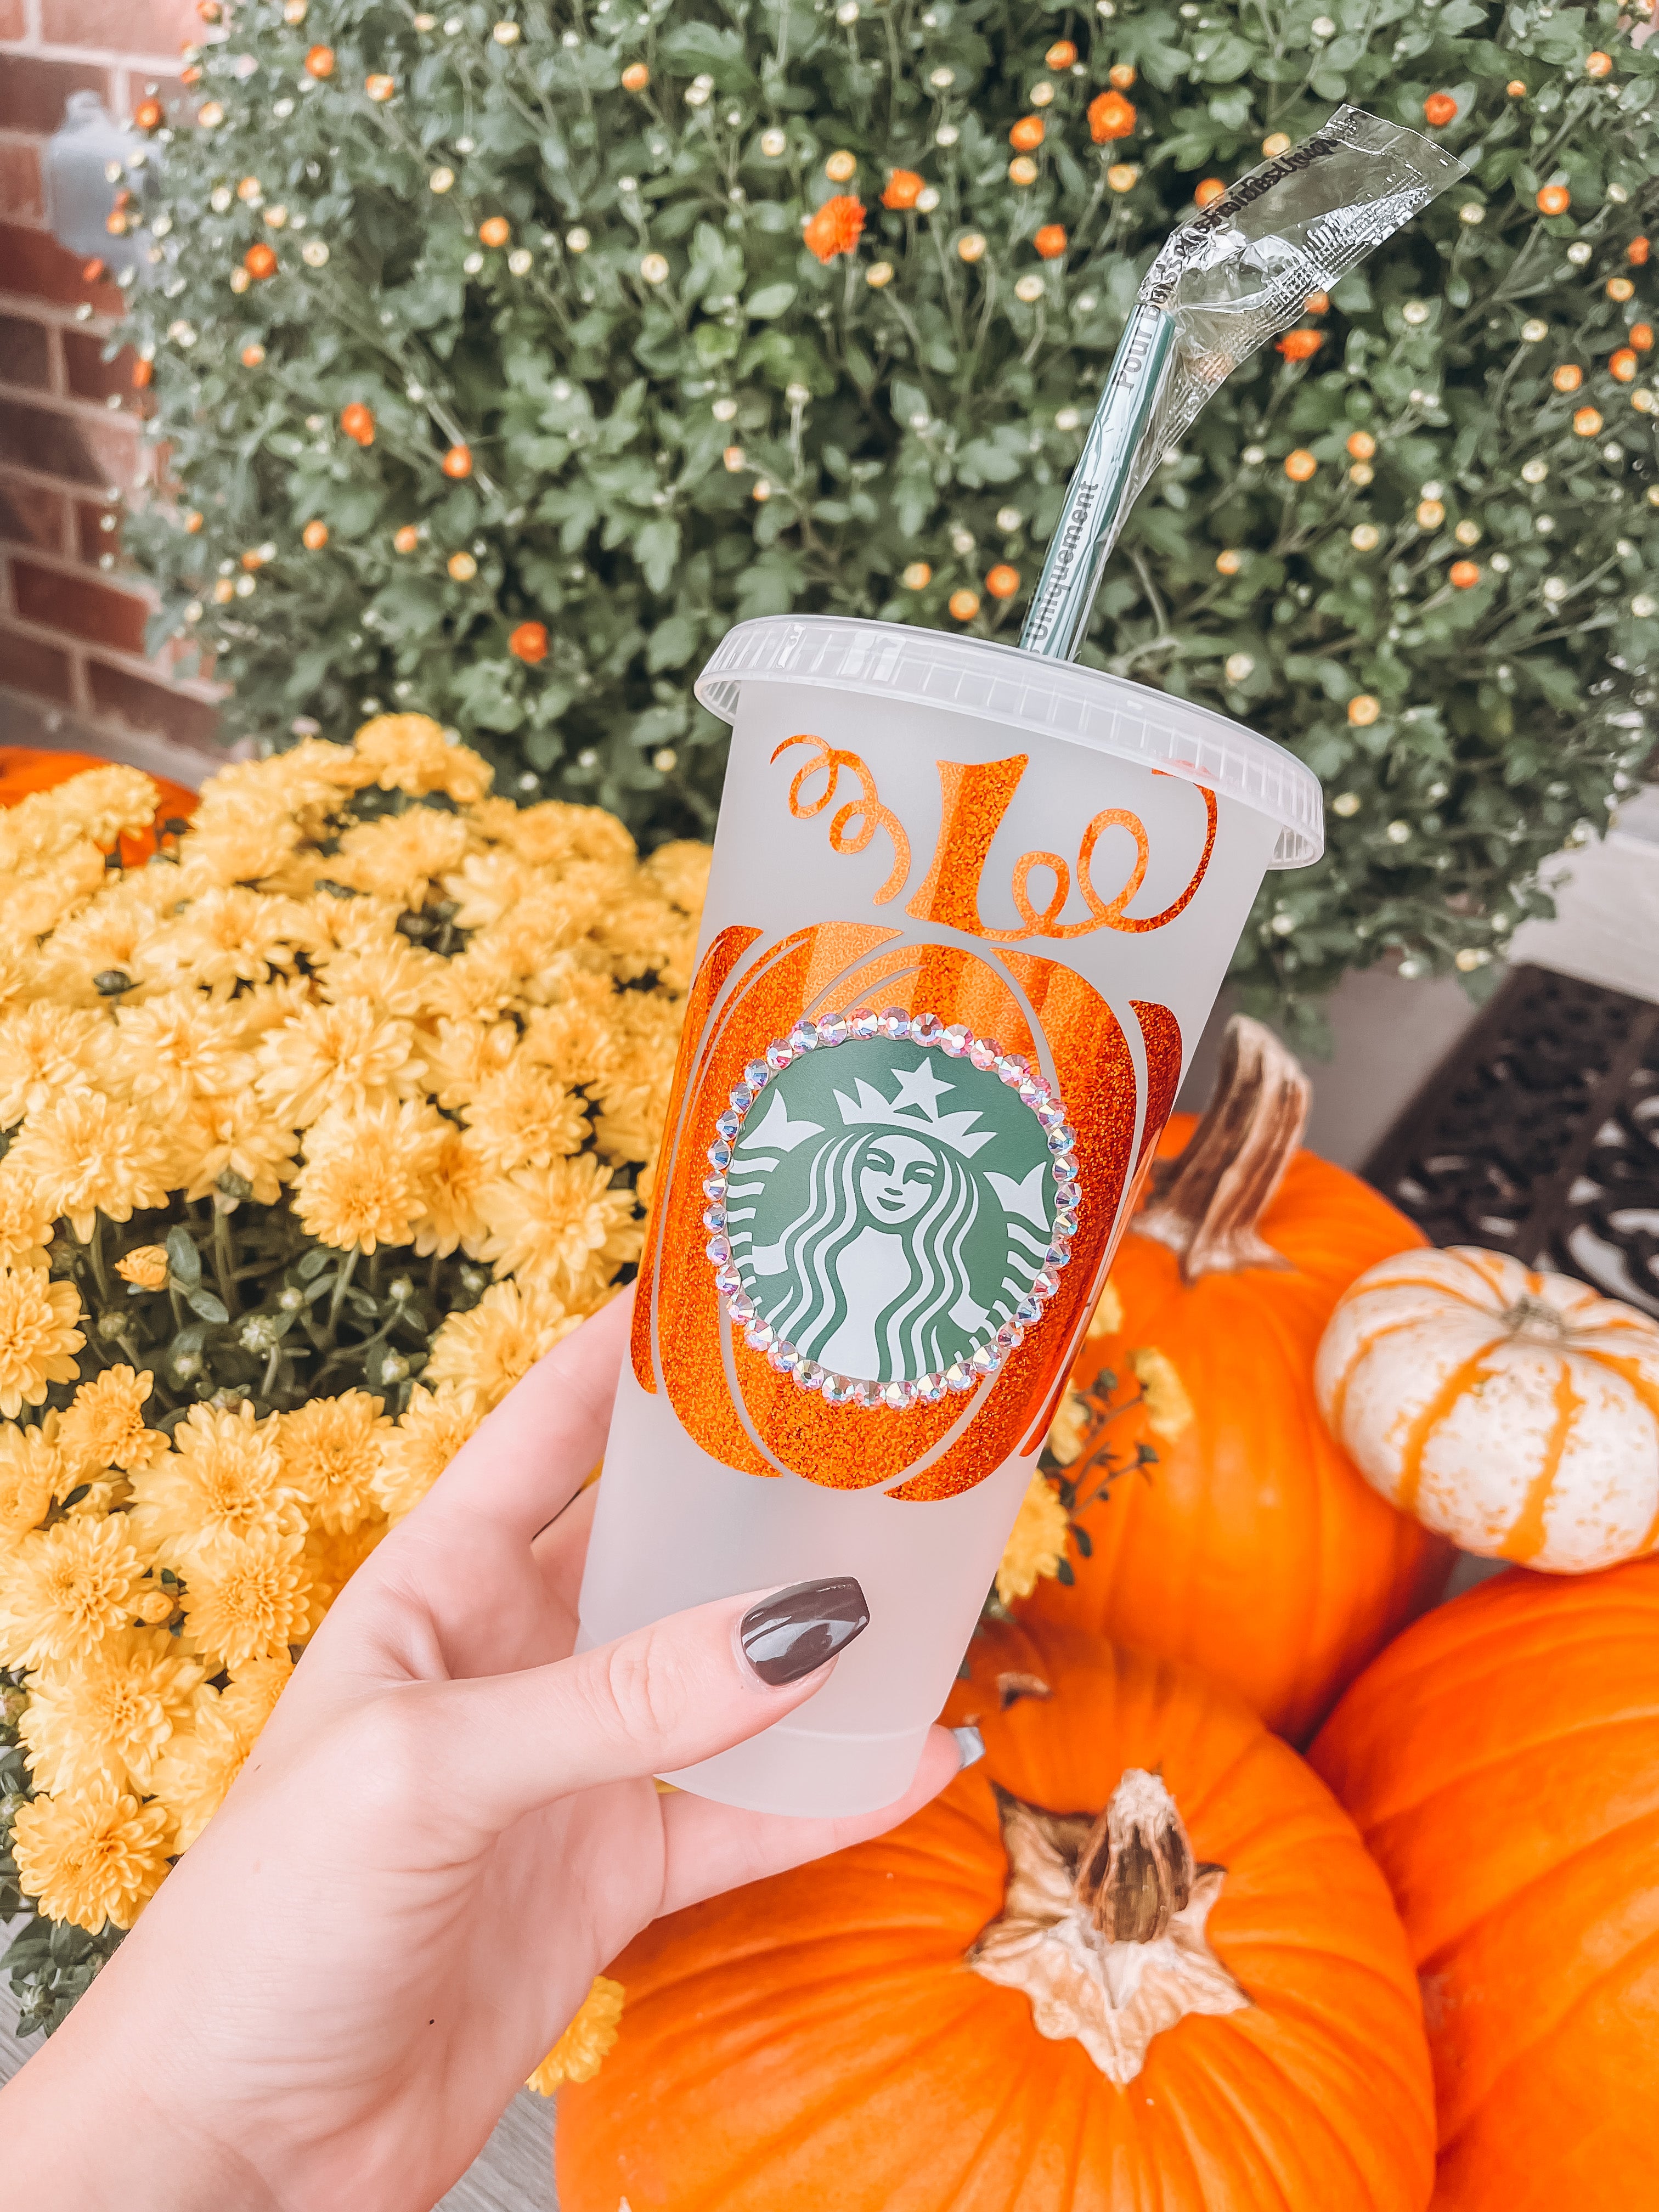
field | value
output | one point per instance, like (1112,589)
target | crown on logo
(914,1106)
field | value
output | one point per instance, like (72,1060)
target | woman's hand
(446,1828)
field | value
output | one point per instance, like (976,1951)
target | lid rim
(1105,713)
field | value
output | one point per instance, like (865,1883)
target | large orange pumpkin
(1138,2016)
(1253,1546)
(1502,1760)
(27,768)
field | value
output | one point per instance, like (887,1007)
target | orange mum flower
(903,189)
(1111,116)
(1050,241)
(529,641)
(1301,345)
(1439,109)
(835,229)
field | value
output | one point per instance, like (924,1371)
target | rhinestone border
(957,1042)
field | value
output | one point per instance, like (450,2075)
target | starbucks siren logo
(890,1206)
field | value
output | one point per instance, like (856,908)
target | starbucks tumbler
(969,911)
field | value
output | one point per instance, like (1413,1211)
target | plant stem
(341,1282)
(224,1259)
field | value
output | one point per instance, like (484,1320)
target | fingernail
(795,1630)
(970,1745)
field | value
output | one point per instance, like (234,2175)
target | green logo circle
(889,1207)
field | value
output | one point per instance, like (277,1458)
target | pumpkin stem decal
(1206,1204)
(1103,1924)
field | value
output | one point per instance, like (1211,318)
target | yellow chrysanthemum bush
(319,1128)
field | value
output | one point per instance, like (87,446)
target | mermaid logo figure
(890,1208)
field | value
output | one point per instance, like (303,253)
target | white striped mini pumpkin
(1516,1412)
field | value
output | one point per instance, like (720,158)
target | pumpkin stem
(1206,1203)
(1136,1870)
(1102,1924)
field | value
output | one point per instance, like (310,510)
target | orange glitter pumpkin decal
(1011,1036)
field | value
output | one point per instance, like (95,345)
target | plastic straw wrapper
(1237,275)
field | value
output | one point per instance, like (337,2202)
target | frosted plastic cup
(969,911)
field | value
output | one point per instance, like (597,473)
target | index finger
(531,1455)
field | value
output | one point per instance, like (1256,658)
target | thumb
(663,1697)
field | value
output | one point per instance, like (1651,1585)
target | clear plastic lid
(1023,691)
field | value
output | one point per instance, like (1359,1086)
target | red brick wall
(71,617)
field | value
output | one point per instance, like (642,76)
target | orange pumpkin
(1502,1760)
(1191,1995)
(26,769)
(1252,1546)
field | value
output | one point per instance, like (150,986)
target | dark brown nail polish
(795,1630)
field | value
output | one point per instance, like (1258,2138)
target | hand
(445,1831)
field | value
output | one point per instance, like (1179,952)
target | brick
(90,376)
(147,706)
(34,93)
(29,665)
(33,262)
(24,353)
(21,194)
(80,450)
(92,540)
(14,20)
(32,514)
(126,27)
(58,599)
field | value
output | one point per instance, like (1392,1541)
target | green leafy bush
(677,415)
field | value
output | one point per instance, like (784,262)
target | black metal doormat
(1538,1135)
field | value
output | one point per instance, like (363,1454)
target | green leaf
(184,1260)
(771,300)
(210,1307)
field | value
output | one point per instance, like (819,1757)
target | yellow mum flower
(104,937)
(1036,1543)
(248,1597)
(487,885)
(234,1135)
(25,1226)
(449,1197)
(145,1266)
(586,2043)
(32,906)
(38,1336)
(224,1482)
(44,1050)
(346,1056)
(31,1474)
(63,1589)
(562,1225)
(1107,1318)
(499,1340)
(178,1047)
(435,1425)
(680,872)
(95,1856)
(476,985)
(268,1006)
(88,1154)
(393,979)
(330,1451)
(197,1768)
(332,1559)
(249,1699)
(223,938)
(103,804)
(464,1055)
(237,838)
(573,1038)
(104,1426)
(1068,1432)
(110,1717)
(401,855)
(412,754)
(553,834)
(364,1182)
(1169,1409)
(522,1118)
